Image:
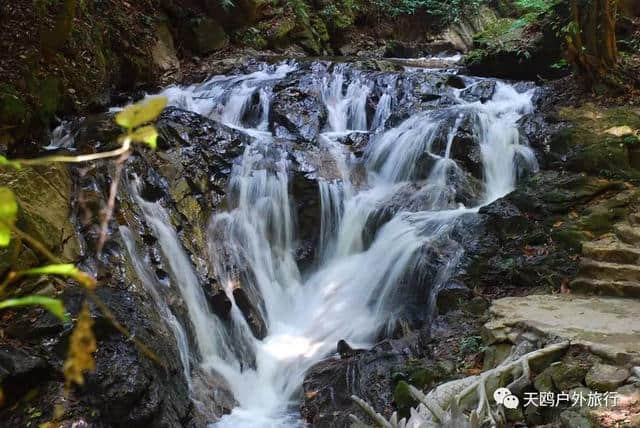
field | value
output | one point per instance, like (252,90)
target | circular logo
(511,402)
(500,394)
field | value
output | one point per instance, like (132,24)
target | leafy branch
(134,120)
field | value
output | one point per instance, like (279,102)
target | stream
(392,185)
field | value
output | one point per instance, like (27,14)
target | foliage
(134,119)
(446,10)
(8,214)
(537,6)
(470,345)
(141,113)
(54,306)
(301,9)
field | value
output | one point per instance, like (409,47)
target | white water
(354,293)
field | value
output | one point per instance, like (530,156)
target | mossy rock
(43,195)
(592,141)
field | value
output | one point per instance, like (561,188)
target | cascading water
(353,291)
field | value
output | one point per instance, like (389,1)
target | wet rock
(346,351)
(296,114)
(249,308)
(604,377)
(357,142)
(456,81)
(466,151)
(482,91)
(306,200)
(328,385)
(219,303)
(451,296)
(20,370)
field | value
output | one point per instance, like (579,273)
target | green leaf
(8,214)
(62,269)
(54,306)
(146,134)
(140,113)
(68,270)
(7,162)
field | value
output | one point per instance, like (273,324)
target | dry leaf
(81,349)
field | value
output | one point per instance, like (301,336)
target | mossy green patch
(590,145)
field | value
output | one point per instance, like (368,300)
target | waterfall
(354,291)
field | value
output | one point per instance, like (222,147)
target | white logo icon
(503,396)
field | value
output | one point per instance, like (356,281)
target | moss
(251,37)
(498,34)
(403,399)
(588,146)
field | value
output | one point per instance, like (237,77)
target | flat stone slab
(607,324)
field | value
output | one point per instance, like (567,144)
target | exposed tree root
(444,405)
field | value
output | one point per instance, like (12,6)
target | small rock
(603,377)
(571,419)
(567,376)
(482,91)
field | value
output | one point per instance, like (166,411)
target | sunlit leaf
(54,306)
(81,348)
(8,214)
(141,113)
(620,131)
(62,269)
(68,270)
(6,162)
(145,134)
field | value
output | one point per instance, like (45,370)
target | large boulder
(204,35)
(45,212)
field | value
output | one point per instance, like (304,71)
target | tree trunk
(591,41)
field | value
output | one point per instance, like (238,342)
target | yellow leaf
(8,215)
(620,131)
(145,134)
(7,162)
(140,113)
(81,348)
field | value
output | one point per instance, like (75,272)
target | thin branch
(108,212)
(126,145)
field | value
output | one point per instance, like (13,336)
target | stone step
(606,287)
(611,250)
(627,233)
(609,323)
(609,271)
